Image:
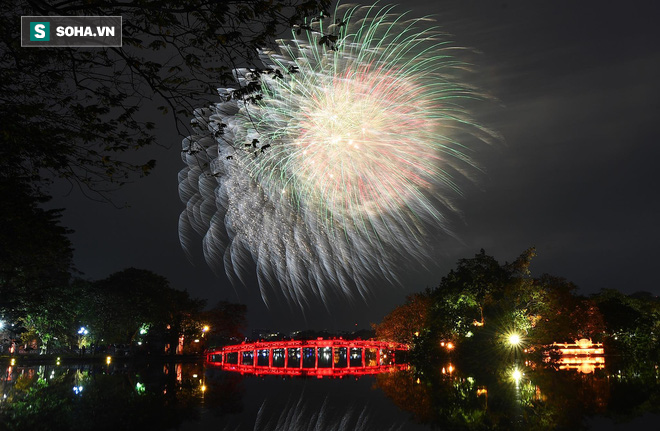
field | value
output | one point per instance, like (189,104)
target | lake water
(193,396)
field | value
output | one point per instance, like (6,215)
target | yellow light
(13,361)
(108,359)
(205,328)
(416,333)
(516,374)
(514,339)
(450,346)
(203,388)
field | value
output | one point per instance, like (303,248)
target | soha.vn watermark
(71,31)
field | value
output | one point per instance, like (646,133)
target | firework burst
(346,163)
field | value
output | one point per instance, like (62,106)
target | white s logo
(39,32)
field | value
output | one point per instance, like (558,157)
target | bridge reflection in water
(318,357)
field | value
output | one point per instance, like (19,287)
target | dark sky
(578,93)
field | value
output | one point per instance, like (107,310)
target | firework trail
(345,163)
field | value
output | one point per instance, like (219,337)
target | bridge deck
(309,357)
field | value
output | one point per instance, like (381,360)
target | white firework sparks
(344,167)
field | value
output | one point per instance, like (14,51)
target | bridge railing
(309,354)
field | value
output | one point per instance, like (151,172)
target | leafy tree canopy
(74,112)
(35,252)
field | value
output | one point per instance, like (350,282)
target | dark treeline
(482,356)
(133,311)
(78,116)
(481,302)
(43,304)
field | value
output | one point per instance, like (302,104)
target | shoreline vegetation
(479,357)
(482,307)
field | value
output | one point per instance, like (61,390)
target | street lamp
(516,375)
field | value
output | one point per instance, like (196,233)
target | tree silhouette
(74,113)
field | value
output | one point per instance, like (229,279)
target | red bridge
(310,357)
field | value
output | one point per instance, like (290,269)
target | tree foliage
(481,302)
(74,113)
(35,262)
(405,322)
(632,322)
(79,114)
(227,321)
(116,307)
(484,295)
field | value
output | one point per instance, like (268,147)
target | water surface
(193,396)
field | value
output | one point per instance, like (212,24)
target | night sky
(578,105)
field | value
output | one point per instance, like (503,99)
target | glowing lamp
(514,339)
(516,374)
